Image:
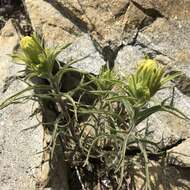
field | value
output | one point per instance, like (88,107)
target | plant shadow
(163,176)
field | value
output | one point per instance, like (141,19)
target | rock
(118,21)
(108,25)
(170,9)
(127,58)
(166,129)
(135,20)
(18,147)
(162,176)
(83,48)
(168,38)
(56,176)
(61,26)
(158,28)
(9,40)
(46,19)
(180,154)
(167,41)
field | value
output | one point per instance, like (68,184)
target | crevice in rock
(16,11)
(109,54)
(168,147)
(147,21)
(154,51)
(8,81)
(7,10)
(28,29)
(122,11)
(151,15)
(139,28)
(70,31)
(151,12)
(158,154)
(182,83)
(67,13)
(59,172)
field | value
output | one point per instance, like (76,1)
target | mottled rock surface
(180,155)
(121,32)
(104,18)
(18,147)
(163,176)
(169,38)
(166,129)
(54,26)
(83,50)
(178,10)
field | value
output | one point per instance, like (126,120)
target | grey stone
(19,147)
(180,155)
(127,58)
(120,22)
(166,129)
(83,48)
(169,38)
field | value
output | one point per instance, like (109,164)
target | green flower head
(31,48)
(26,42)
(147,64)
(146,81)
(150,73)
